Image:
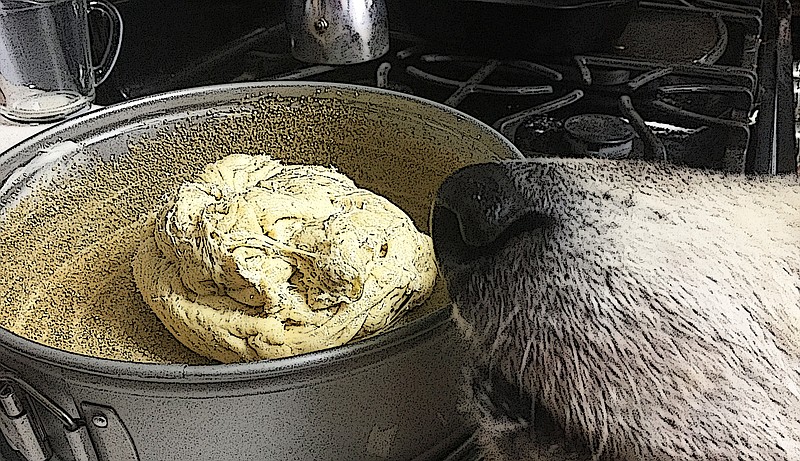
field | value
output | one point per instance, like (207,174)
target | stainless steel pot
(391,396)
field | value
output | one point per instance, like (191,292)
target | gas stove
(703,83)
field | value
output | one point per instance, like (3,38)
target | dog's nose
(484,201)
(476,210)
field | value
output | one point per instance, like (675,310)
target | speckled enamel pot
(391,396)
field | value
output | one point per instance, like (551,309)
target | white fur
(656,318)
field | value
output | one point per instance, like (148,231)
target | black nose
(476,210)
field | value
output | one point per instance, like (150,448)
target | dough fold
(260,260)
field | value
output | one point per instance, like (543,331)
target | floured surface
(74,288)
(254,259)
(66,250)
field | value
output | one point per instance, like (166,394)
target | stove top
(695,82)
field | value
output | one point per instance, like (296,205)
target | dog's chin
(526,443)
(505,436)
(510,426)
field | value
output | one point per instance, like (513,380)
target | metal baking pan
(393,396)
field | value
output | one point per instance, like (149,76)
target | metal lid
(599,129)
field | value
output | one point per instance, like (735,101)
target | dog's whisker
(524,363)
(503,326)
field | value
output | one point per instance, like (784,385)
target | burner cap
(610,77)
(599,135)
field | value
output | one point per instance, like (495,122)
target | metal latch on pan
(19,425)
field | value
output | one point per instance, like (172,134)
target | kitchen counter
(12,133)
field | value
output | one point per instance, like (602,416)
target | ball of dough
(259,260)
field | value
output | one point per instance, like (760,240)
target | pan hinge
(22,430)
(19,427)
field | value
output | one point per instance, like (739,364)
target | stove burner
(542,135)
(606,77)
(508,126)
(599,135)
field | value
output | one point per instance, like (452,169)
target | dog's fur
(649,312)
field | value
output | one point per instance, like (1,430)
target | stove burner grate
(696,106)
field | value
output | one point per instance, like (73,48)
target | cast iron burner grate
(698,82)
(696,107)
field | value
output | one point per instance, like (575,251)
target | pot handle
(22,430)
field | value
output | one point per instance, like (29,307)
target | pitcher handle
(114,43)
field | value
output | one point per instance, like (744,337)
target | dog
(625,310)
